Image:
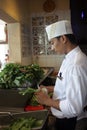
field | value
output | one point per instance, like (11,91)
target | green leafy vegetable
(25,124)
(30,91)
(16,75)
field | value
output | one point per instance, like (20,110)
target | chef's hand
(42,97)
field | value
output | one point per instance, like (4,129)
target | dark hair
(71,38)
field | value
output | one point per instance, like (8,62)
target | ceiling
(6,18)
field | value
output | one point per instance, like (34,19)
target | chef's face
(57,44)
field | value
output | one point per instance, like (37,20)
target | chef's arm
(53,103)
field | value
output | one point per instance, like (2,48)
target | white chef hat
(59,28)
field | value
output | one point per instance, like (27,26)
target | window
(3,46)
(3,32)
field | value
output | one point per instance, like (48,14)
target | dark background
(78,10)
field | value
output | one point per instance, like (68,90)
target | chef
(70,90)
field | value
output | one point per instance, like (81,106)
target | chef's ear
(63,39)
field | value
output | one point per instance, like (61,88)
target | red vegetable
(33,108)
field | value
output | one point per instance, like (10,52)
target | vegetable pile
(25,124)
(15,75)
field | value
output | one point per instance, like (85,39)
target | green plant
(15,75)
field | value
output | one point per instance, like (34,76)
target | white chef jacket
(71,85)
